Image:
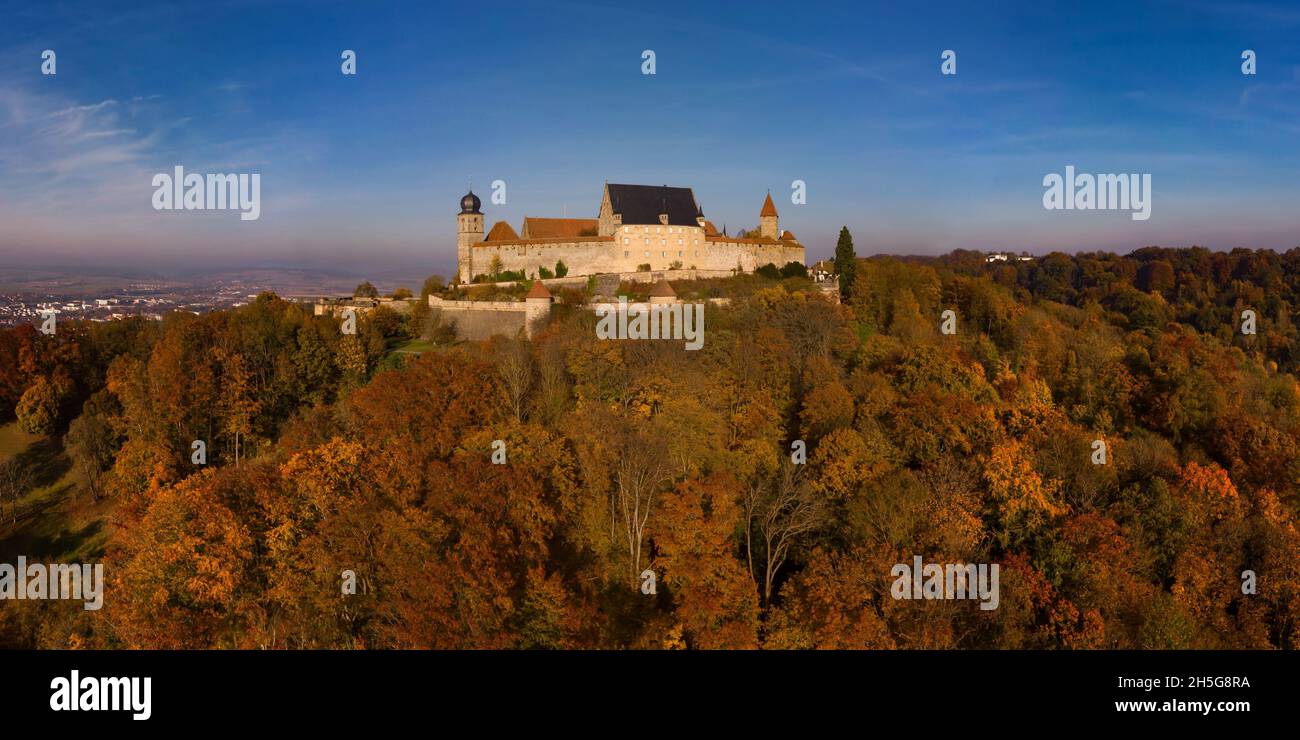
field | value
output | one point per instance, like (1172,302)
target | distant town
(23,298)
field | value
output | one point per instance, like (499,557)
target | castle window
(647,253)
(626,241)
(627,254)
(679,242)
(679,254)
(663,254)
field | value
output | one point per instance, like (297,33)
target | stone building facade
(637,225)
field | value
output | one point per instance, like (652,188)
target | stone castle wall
(482,319)
(624,253)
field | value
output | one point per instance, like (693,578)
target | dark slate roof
(642,204)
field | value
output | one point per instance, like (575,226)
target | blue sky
(549,97)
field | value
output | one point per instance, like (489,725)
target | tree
(846,263)
(641,471)
(91,443)
(561,269)
(717,606)
(1023,499)
(15,478)
(183,566)
(515,369)
(38,409)
(780,511)
(432,284)
(831,605)
(366,290)
(239,402)
(402,294)
(1156,276)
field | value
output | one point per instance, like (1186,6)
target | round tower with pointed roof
(767,219)
(662,292)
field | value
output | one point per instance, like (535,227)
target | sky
(848,97)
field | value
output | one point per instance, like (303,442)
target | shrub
(794,269)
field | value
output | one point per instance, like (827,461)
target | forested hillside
(329,453)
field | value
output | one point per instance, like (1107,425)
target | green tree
(845,263)
(366,290)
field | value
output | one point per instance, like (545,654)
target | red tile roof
(544,228)
(538,291)
(500,232)
(769,208)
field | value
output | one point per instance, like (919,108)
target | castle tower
(469,231)
(767,219)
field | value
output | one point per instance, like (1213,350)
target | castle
(639,228)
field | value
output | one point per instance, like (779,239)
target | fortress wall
(583,256)
(601,255)
(481,324)
(482,319)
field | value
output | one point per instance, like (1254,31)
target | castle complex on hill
(639,227)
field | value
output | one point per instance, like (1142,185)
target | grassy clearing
(54,520)
(413,347)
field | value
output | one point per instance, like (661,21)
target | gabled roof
(538,291)
(642,204)
(662,289)
(787,236)
(769,208)
(501,231)
(544,228)
(710,229)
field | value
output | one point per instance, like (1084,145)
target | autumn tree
(15,480)
(780,512)
(91,443)
(181,569)
(716,603)
(38,409)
